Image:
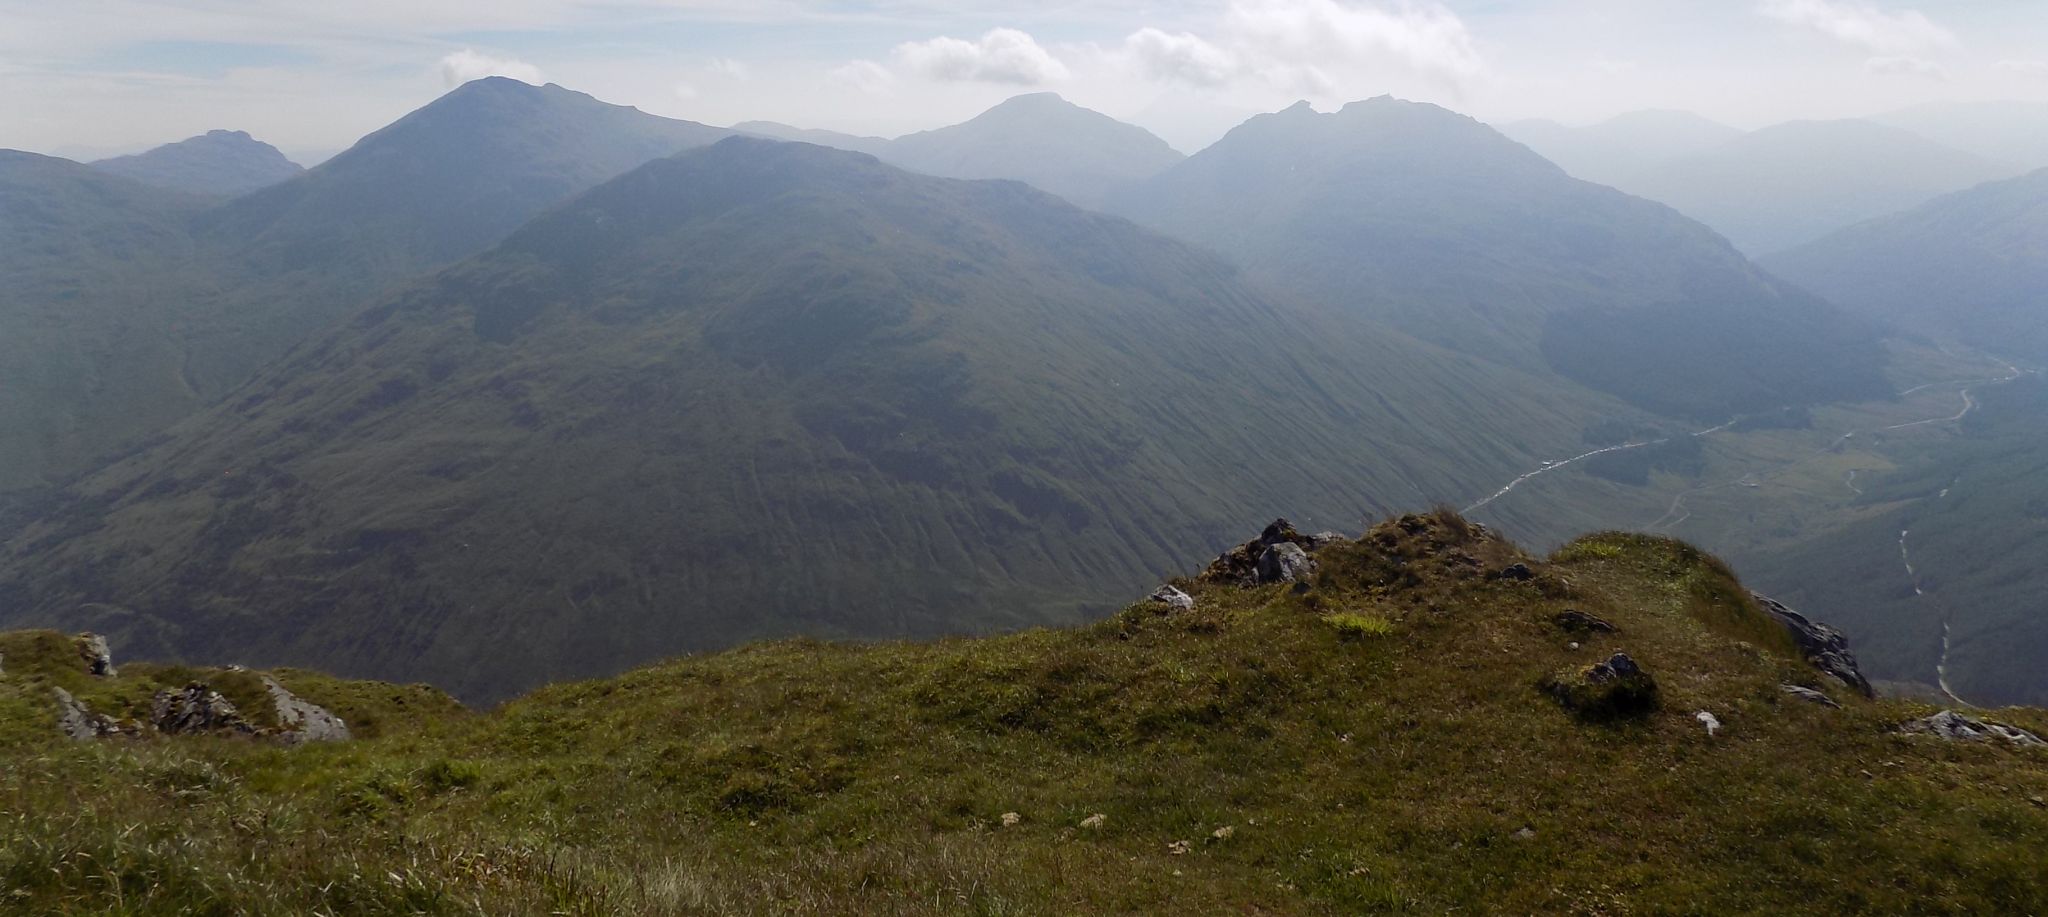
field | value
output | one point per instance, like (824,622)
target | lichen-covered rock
(300,721)
(1823,646)
(196,709)
(1809,695)
(1173,598)
(99,660)
(1285,562)
(1615,689)
(78,722)
(1954,726)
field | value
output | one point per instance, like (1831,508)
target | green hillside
(128,308)
(1376,740)
(753,390)
(1429,221)
(75,244)
(1968,267)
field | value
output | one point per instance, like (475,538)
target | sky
(88,78)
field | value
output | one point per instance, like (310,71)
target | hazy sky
(86,77)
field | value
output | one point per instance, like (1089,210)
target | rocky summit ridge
(1423,717)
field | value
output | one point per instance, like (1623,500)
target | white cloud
(466,64)
(727,68)
(1864,26)
(1182,57)
(1906,66)
(685,90)
(2033,68)
(1000,56)
(866,76)
(1312,47)
(1425,37)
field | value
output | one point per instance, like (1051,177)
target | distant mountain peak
(1042,139)
(218,162)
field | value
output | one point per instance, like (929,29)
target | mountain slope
(873,146)
(1438,225)
(1970,514)
(2014,132)
(144,340)
(758,389)
(1790,184)
(225,163)
(452,178)
(1374,742)
(1970,267)
(89,262)
(1619,150)
(1042,140)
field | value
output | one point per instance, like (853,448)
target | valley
(1260,457)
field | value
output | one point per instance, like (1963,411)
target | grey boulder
(300,721)
(1173,598)
(1285,562)
(78,722)
(99,660)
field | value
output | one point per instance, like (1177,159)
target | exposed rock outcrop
(196,709)
(1823,646)
(300,721)
(1614,689)
(1809,695)
(1173,598)
(78,722)
(1248,563)
(99,660)
(1321,540)
(1954,726)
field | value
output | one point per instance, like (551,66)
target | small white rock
(1707,719)
(1094,822)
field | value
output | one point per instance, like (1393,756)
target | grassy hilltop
(1378,739)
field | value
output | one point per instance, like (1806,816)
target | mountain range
(758,389)
(1040,139)
(1436,224)
(528,364)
